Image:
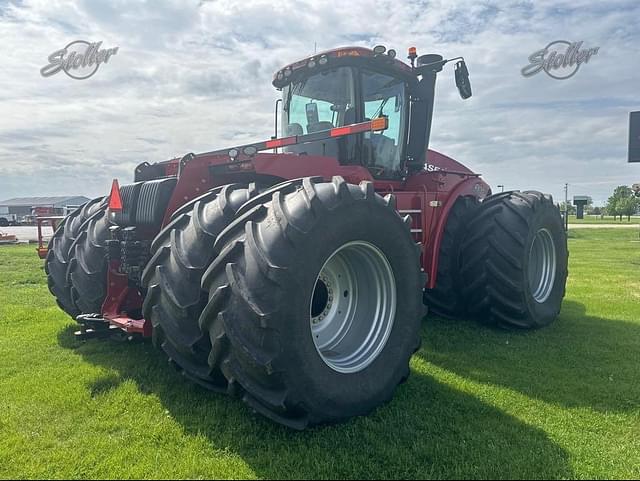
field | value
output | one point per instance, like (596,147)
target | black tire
(88,266)
(57,261)
(446,299)
(497,262)
(180,254)
(4,222)
(260,289)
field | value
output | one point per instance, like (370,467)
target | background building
(23,208)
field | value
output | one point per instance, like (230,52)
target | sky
(196,76)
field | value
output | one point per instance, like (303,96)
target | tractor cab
(352,85)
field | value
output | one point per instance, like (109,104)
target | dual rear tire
(502,262)
(76,262)
(301,303)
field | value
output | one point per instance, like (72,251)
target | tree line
(623,202)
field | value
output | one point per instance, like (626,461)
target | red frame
(121,300)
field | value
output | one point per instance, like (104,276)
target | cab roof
(341,56)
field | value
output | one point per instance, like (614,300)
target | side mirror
(634,136)
(462,79)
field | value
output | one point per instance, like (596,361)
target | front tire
(515,261)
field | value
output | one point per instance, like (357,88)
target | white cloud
(194,76)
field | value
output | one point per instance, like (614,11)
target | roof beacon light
(413,54)
(391,53)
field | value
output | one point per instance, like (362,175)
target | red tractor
(297,278)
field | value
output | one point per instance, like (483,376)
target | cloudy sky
(194,76)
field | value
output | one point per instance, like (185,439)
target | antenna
(566,207)
(315,47)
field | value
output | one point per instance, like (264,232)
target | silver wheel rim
(353,307)
(542,266)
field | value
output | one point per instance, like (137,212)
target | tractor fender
(470,186)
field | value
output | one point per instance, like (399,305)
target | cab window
(320,102)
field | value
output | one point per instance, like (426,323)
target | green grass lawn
(562,402)
(607,219)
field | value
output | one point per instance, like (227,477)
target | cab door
(383,152)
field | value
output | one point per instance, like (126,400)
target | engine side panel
(201,173)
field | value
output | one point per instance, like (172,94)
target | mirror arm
(422,69)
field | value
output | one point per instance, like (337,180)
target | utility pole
(501,187)
(566,206)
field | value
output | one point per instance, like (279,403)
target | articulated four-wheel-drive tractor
(294,272)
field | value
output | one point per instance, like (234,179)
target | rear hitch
(120,314)
(94,326)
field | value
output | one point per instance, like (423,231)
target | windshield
(328,99)
(319,102)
